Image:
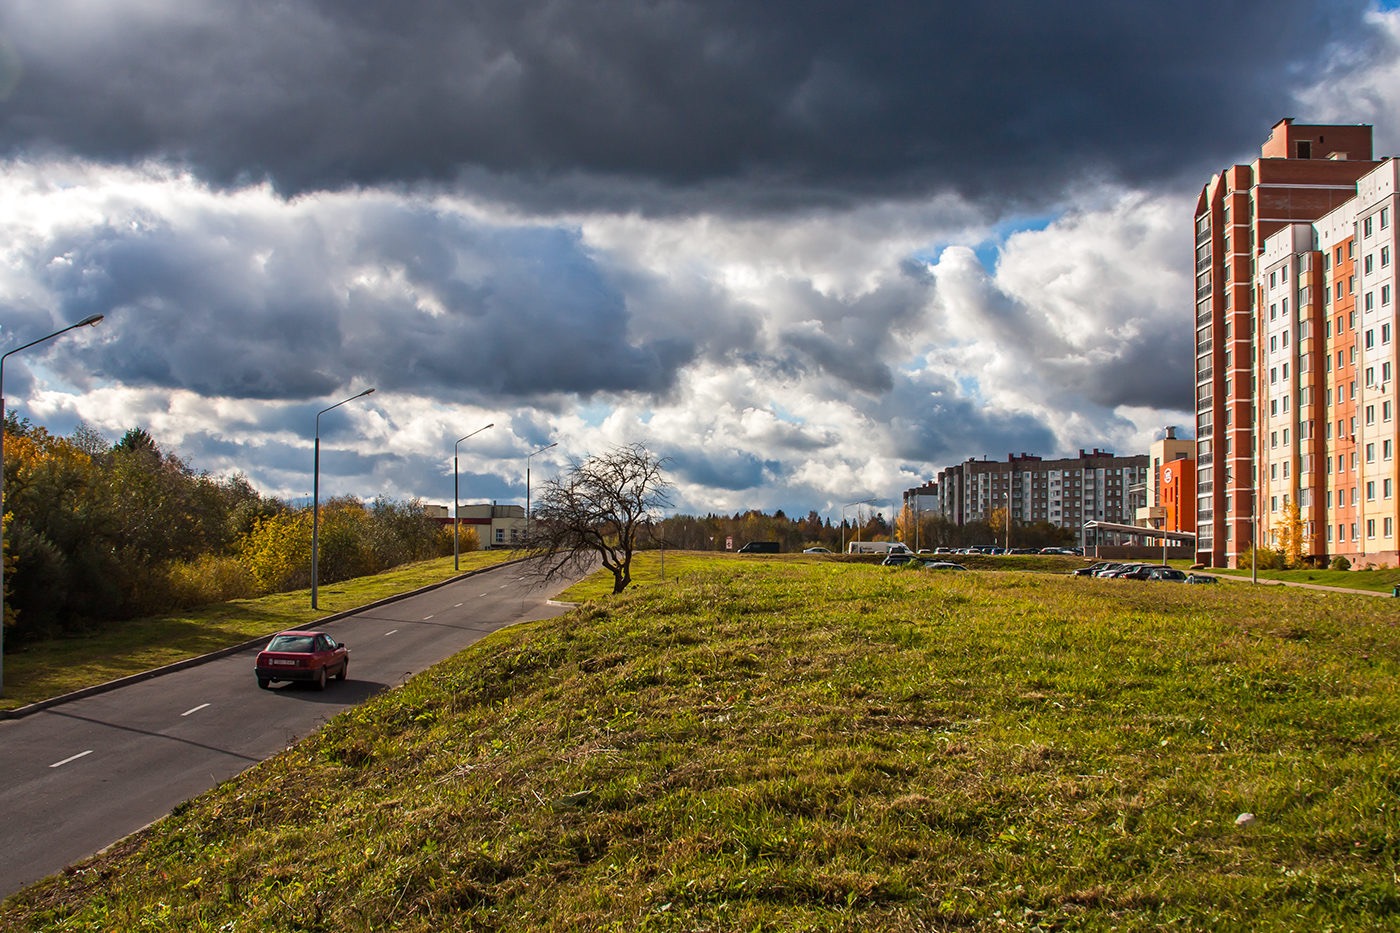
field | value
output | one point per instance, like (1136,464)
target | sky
(810,252)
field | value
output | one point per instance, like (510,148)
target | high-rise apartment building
(1095,486)
(1295,350)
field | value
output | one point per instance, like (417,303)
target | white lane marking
(195,710)
(426,618)
(390,632)
(59,764)
(457,606)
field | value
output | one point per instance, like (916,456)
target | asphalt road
(81,775)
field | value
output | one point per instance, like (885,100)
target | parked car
(760,547)
(309,656)
(899,560)
(1143,571)
(1199,578)
(1093,569)
(1169,574)
(1116,571)
(816,550)
(942,565)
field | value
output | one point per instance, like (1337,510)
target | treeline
(924,530)
(98,532)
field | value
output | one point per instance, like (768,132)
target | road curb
(40,705)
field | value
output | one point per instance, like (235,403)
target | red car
(297,655)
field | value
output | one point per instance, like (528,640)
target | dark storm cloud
(632,102)
(931,423)
(729,470)
(400,297)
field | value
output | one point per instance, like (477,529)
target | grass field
(37,672)
(818,745)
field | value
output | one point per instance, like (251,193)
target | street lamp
(88,321)
(529,516)
(456,561)
(1253,526)
(316,495)
(843,518)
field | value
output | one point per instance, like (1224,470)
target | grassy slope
(1376,581)
(39,671)
(812,745)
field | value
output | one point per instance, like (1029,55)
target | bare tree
(597,511)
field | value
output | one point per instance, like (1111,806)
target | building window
(1370,491)
(1385,295)
(1370,527)
(1385,256)
(1389,527)
(1368,264)
(1365,227)
(1385,217)
(1370,414)
(1370,301)
(1370,453)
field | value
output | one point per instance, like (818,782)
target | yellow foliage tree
(1292,543)
(904,526)
(997,520)
(277,552)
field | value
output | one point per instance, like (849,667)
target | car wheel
(264,683)
(344,670)
(321,679)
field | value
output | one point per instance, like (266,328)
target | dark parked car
(899,560)
(1199,578)
(1169,574)
(942,565)
(760,547)
(302,655)
(1093,569)
(1142,571)
(1117,572)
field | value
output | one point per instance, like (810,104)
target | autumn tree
(1292,543)
(598,511)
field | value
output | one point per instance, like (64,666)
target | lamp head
(90,320)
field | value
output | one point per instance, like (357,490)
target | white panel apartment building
(1327,425)
(1095,486)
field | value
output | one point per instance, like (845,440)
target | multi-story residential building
(1171,484)
(1295,336)
(1095,486)
(922,498)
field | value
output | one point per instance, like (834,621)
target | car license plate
(283,662)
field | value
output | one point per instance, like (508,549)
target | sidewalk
(1300,585)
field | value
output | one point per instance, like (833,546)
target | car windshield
(295,643)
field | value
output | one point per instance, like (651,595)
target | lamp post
(1008,516)
(529,516)
(316,495)
(88,321)
(456,560)
(1253,534)
(1253,527)
(843,519)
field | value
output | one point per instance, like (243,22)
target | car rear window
(290,643)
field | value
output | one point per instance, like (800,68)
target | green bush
(1340,563)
